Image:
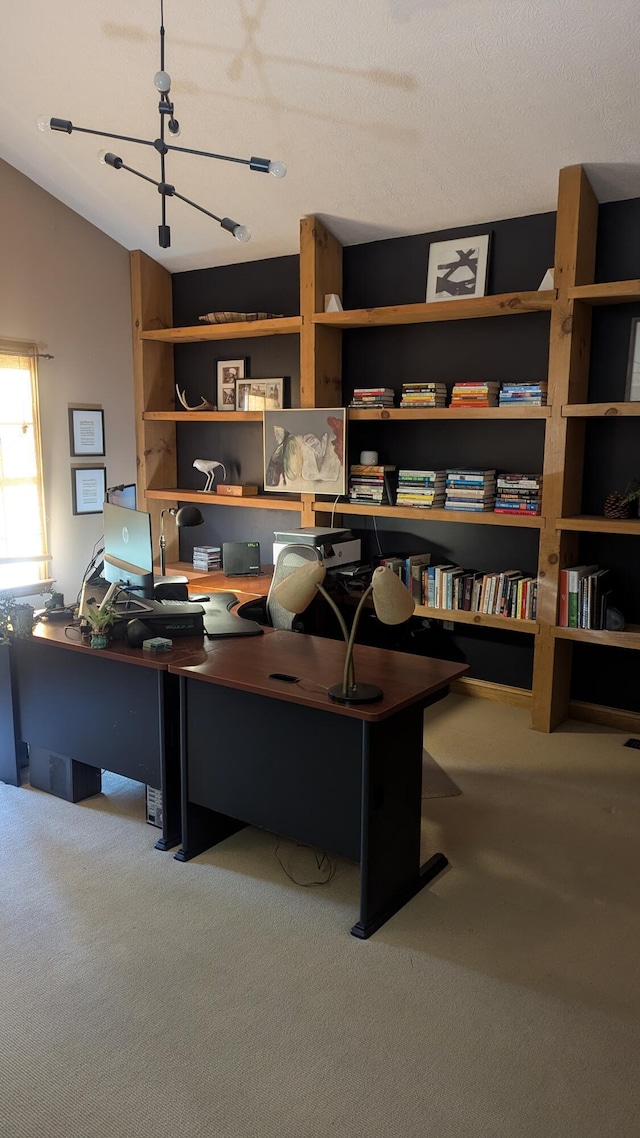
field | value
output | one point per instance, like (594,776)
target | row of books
(518,494)
(583,597)
(489,393)
(421,488)
(207,558)
(510,593)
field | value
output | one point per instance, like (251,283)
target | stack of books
(525,394)
(475,394)
(207,558)
(371,484)
(372,397)
(518,494)
(584,597)
(423,395)
(421,488)
(510,593)
(470,490)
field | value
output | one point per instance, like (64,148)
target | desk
(285,757)
(114,709)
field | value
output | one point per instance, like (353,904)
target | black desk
(286,758)
(114,709)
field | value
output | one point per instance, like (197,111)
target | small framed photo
(86,431)
(632,393)
(88,487)
(259,394)
(229,372)
(458,268)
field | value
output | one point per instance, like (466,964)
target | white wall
(65,285)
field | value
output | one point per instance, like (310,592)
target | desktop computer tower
(62,776)
(154,806)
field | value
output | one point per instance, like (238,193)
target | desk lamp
(392,602)
(185,516)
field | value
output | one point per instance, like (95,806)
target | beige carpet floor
(141,998)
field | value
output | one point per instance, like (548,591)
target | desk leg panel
(390,872)
(169,739)
(284,767)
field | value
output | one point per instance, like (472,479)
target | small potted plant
(618,504)
(100,621)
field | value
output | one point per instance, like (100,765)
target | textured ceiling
(393,116)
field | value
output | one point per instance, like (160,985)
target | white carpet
(141,997)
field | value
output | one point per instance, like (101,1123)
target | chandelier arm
(108,134)
(195,205)
(207,154)
(139,174)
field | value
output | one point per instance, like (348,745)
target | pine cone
(616,505)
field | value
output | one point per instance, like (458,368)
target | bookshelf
(557,530)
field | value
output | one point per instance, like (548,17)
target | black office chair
(267,610)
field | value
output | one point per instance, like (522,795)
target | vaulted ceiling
(393,116)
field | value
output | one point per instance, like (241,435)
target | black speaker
(241,558)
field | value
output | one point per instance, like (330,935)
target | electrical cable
(333,511)
(323,864)
(375,526)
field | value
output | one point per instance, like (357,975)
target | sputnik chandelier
(166,190)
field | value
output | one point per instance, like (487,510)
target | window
(23,540)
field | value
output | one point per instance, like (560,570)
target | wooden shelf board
(612,292)
(259,502)
(487,518)
(586,523)
(204,416)
(599,410)
(282,326)
(504,304)
(629,638)
(409,413)
(479,619)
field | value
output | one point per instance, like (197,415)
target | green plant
(7,601)
(100,619)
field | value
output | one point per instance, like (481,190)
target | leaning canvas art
(304,450)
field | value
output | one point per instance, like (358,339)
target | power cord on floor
(324,864)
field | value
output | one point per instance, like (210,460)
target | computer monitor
(123,495)
(128,552)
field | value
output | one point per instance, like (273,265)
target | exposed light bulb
(242,233)
(44,123)
(162,82)
(278,169)
(102,156)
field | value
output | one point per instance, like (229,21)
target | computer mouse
(136,632)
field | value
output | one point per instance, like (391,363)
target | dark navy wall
(503,348)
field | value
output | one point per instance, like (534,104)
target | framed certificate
(86,430)
(88,487)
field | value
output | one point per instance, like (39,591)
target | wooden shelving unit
(569,306)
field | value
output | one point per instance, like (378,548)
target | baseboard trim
(615,717)
(500,693)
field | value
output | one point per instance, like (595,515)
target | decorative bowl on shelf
(237,317)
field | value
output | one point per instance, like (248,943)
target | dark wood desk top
(245,588)
(247,663)
(69,636)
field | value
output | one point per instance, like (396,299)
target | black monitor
(128,551)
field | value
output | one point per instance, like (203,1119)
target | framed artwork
(88,487)
(458,268)
(229,372)
(632,393)
(259,394)
(304,450)
(86,431)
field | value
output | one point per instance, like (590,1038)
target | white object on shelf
(547,281)
(332,302)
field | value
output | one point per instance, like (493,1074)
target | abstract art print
(458,268)
(304,450)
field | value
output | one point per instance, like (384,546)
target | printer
(336,546)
